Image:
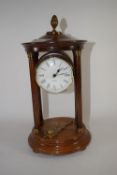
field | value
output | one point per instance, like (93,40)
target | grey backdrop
(24,20)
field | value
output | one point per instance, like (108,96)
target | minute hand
(66,74)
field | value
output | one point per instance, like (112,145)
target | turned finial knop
(54,22)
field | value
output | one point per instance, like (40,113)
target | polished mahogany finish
(59,135)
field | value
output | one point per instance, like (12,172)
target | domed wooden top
(54,39)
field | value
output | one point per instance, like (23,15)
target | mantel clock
(54,71)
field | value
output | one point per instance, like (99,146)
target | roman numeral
(47,64)
(61,86)
(42,68)
(65,81)
(41,75)
(60,65)
(43,81)
(66,74)
(54,61)
(48,85)
(64,68)
(54,87)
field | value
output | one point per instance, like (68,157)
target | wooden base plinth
(59,136)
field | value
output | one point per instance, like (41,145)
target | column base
(58,136)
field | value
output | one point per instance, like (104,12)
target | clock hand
(58,70)
(62,68)
(64,74)
(54,75)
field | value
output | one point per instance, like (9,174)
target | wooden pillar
(36,96)
(78,88)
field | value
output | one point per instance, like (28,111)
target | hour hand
(58,70)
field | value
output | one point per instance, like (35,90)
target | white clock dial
(54,74)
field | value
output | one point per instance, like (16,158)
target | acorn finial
(54,22)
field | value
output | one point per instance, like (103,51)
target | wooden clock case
(58,135)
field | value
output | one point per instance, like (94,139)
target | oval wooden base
(59,136)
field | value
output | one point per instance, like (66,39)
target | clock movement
(54,71)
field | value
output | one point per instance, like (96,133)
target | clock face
(54,74)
